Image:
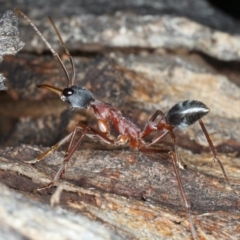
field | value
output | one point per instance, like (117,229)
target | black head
(76,97)
(186,113)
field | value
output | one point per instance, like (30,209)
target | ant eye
(67,92)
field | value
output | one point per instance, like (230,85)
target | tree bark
(133,193)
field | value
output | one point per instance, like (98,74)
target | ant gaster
(183,114)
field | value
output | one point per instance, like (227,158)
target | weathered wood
(22,218)
(134,31)
(10,43)
(130,191)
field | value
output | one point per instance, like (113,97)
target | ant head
(186,113)
(76,97)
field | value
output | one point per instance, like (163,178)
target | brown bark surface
(133,193)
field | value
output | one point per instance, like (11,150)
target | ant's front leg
(51,149)
(68,153)
(72,146)
(92,133)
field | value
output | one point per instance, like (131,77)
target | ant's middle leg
(151,126)
(155,115)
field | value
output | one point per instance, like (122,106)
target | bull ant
(183,114)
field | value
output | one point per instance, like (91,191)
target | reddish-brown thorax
(106,113)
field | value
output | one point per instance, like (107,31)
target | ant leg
(52,149)
(152,150)
(86,131)
(92,133)
(67,156)
(214,152)
(161,136)
(95,134)
(151,126)
(154,116)
(180,165)
(180,185)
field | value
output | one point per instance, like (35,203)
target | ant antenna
(46,42)
(66,51)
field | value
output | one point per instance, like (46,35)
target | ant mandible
(183,114)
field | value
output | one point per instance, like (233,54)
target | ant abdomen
(186,113)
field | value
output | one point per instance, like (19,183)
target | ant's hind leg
(214,152)
(174,159)
(173,156)
(179,162)
(161,136)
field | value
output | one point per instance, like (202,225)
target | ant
(182,114)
